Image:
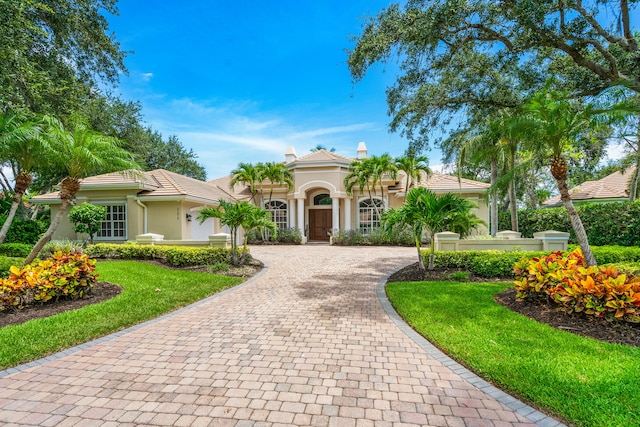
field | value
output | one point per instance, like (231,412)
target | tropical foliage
(87,218)
(428,213)
(235,215)
(565,279)
(80,152)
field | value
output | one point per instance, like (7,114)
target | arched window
(278,210)
(322,200)
(369,211)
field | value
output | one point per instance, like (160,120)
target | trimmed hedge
(615,223)
(500,263)
(175,256)
(19,250)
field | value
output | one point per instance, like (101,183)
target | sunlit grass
(588,382)
(148,292)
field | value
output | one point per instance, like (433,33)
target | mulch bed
(587,326)
(103,291)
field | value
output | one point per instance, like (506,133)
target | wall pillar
(335,214)
(292,213)
(347,214)
(300,215)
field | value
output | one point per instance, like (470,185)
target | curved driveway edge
(521,408)
(305,343)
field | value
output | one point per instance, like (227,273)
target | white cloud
(146,76)
(223,134)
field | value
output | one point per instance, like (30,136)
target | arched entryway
(320,217)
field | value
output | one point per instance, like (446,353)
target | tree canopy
(54,52)
(458,57)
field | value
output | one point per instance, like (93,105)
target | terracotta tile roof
(238,192)
(438,182)
(322,155)
(155,183)
(614,186)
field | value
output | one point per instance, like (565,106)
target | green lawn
(138,302)
(589,383)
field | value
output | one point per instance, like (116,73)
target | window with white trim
(114,226)
(278,211)
(369,211)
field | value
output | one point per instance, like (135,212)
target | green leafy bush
(291,236)
(287,236)
(349,238)
(616,223)
(24,230)
(15,249)
(6,263)
(481,263)
(175,256)
(401,236)
(87,218)
(126,251)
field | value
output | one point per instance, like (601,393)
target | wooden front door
(320,224)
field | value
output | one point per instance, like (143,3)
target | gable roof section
(322,156)
(446,183)
(613,186)
(157,184)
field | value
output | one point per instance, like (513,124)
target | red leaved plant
(565,279)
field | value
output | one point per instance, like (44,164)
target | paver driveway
(306,343)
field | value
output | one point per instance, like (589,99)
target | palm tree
(424,211)
(360,175)
(482,147)
(320,147)
(277,174)
(22,146)
(550,126)
(247,174)
(258,218)
(78,154)
(381,167)
(414,167)
(236,215)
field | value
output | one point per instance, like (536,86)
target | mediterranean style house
(162,205)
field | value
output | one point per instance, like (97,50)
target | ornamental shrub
(481,263)
(87,218)
(175,256)
(24,230)
(66,275)
(565,279)
(16,290)
(615,223)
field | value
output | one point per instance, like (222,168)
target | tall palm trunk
(559,172)
(69,189)
(513,207)
(418,239)
(23,180)
(493,219)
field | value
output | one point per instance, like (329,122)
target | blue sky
(241,81)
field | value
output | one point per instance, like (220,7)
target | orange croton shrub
(67,276)
(565,279)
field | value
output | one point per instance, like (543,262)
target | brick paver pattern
(306,343)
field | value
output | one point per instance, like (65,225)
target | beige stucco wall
(166,218)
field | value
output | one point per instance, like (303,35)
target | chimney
(362,150)
(290,154)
